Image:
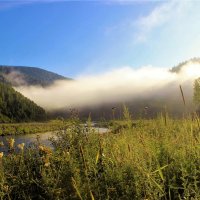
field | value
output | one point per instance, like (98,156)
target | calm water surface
(29,139)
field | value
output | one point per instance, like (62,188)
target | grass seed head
(21,146)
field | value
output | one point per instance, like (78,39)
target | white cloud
(159,16)
(163,15)
(115,86)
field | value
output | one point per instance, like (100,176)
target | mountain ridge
(24,75)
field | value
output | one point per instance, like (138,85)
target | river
(29,139)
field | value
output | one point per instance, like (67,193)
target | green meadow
(143,159)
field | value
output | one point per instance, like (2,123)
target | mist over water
(115,86)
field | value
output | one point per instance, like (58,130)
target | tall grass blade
(76,188)
(97,157)
(92,196)
(182,94)
(159,170)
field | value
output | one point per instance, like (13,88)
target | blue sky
(74,38)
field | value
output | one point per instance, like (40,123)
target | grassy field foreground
(155,159)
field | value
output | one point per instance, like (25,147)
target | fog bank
(118,85)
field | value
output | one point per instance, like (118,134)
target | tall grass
(154,159)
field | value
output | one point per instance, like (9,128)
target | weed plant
(152,159)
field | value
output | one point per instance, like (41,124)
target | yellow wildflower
(46,161)
(45,149)
(21,146)
(41,148)
(11,142)
(47,164)
(1,155)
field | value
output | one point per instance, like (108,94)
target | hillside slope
(17,76)
(14,107)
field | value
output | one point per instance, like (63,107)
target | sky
(77,38)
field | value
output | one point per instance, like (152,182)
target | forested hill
(14,107)
(17,76)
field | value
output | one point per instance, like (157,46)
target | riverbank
(30,128)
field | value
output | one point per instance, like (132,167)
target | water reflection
(29,139)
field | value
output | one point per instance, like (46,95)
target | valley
(144,148)
(99,100)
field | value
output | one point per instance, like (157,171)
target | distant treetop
(178,67)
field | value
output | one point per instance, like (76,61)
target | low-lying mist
(116,86)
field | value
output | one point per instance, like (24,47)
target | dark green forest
(14,107)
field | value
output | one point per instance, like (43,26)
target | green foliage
(152,160)
(16,107)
